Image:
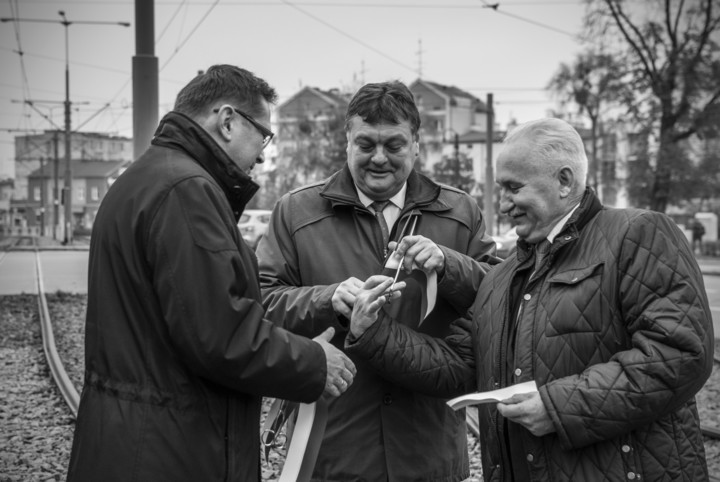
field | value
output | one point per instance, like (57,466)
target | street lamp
(68,167)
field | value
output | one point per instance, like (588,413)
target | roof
(452,91)
(81,169)
(333,97)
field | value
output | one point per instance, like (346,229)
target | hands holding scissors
(420,252)
(374,294)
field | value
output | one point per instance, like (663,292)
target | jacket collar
(340,190)
(180,132)
(589,206)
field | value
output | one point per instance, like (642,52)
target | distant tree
(706,183)
(591,83)
(312,150)
(674,71)
(456,172)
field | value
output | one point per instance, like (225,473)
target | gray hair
(555,143)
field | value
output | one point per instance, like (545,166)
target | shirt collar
(397,200)
(560,225)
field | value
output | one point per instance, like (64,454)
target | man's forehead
(381,131)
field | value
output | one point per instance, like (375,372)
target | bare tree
(591,83)
(673,45)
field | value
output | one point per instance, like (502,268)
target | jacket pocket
(574,302)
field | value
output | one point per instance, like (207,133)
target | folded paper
(493,396)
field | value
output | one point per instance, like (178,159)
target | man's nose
(260,158)
(506,204)
(378,156)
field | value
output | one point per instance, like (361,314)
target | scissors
(272,436)
(400,263)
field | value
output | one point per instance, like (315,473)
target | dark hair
(385,102)
(225,83)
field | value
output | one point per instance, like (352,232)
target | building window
(94,193)
(36,194)
(80,194)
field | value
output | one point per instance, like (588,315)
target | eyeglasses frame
(264,131)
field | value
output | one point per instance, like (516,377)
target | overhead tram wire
(347,35)
(197,25)
(496,8)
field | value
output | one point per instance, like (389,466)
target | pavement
(709,265)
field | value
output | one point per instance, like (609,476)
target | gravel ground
(36,427)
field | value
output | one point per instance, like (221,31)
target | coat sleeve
(306,310)
(209,296)
(664,308)
(464,271)
(436,367)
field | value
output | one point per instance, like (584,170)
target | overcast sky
(512,52)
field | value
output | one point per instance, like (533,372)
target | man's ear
(222,123)
(566,177)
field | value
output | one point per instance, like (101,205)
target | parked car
(253,225)
(505,243)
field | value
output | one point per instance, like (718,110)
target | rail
(65,385)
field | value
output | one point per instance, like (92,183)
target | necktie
(378,207)
(541,251)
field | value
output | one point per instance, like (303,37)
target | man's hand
(374,294)
(344,296)
(421,252)
(528,410)
(340,369)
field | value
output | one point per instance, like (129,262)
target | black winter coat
(178,353)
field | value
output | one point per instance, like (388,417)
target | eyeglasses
(264,131)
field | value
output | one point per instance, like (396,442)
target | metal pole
(68,154)
(43,196)
(145,77)
(56,187)
(489,197)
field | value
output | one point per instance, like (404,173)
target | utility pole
(56,187)
(145,77)
(456,152)
(67,189)
(489,197)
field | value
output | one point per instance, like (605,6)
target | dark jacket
(617,333)
(177,351)
(321,235)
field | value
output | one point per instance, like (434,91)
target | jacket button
(518,372)
(530,457)
(527,297)
(387,399)
(626,448)
(631,475)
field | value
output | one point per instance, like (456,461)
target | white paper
(492,396)
(393,263)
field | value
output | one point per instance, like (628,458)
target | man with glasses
(177,351)
(326,239)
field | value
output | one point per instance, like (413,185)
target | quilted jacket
(321,235)
(177,350)
(617,333)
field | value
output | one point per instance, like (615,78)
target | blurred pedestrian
(177,351)
(326,238)
(698,230)
(604,309)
